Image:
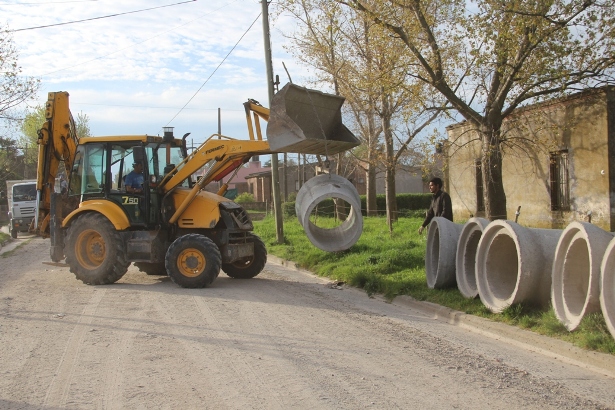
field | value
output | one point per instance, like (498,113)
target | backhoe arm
(57,143)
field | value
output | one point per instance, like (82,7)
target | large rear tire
(154,269)
(249,267)
(193,261)
(95,251)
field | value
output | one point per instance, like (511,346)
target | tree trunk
(370,195)
(389,164)
(493,185)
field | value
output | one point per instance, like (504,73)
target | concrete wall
(407,181)
(579,124)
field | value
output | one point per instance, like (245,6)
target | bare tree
(14,88)
(488,57)
(368,67)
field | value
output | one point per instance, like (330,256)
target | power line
(102,17)
(211,75)
(145,106)
(45,3)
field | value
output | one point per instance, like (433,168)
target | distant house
(408,180)
(292,178)
(239,182)
(566,172)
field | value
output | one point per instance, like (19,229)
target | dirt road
(284,340)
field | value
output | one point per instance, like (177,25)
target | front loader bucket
(307,121)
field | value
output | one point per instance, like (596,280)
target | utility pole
(275,178)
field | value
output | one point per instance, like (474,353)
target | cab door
(134,204)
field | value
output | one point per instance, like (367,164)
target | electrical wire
(152,107)
(43,4)
(211,75)
(101,17)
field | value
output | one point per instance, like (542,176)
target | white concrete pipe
(513,265)
(607,288)
(322,187)
(466,256)
(575,287)
(440,253)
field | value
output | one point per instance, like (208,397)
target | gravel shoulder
(286,339)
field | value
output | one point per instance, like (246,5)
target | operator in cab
(134,179)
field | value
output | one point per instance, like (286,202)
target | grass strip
(394,264)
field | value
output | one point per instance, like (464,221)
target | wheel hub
(191,262)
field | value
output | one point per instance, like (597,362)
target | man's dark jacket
(440,206)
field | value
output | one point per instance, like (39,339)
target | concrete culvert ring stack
(575,289)
(466,256)
(316,190)
(513,265)
(440,253)
(607,288)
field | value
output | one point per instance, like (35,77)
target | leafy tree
(244,197)
(489,57)
(33,122)
(14,88)
(368,67)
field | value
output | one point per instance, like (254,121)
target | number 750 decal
(130,200)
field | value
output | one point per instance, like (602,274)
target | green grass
(394,264)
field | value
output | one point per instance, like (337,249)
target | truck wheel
(14,233)
(95,251)
(193,261)
(249,267)
(154,269)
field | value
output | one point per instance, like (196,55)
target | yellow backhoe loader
(169,226)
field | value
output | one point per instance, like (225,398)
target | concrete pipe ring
(440,253)
(316,190)
(575,288)
(607,288)
(513,265)
(465,261)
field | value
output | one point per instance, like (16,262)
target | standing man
(134,179)
(440,203)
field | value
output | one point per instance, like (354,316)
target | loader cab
(101,170)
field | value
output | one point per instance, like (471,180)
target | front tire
(95,251)
(193,261)
(249,267)
(14,233)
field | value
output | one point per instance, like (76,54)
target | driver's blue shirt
(134,180)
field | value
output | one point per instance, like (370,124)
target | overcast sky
(133,73)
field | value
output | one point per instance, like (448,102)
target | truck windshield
(24,192)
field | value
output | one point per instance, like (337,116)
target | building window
(480,198)
(559,181)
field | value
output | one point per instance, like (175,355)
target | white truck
(21,195)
